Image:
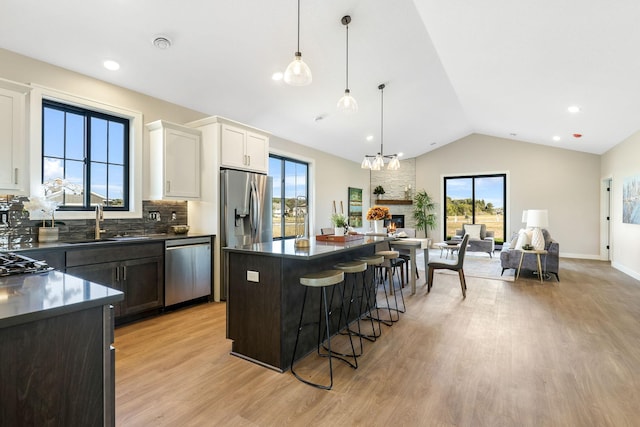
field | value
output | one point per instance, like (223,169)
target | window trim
(135,148)
(91,114)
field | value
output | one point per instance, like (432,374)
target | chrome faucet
(99,217)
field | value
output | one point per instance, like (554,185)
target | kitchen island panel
(263,317)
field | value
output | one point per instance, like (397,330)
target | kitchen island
(265,296)
(56,358)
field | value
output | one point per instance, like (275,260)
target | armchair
(480,239)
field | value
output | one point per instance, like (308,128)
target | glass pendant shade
(366,163)
(347,104)
(298,73)
(394,164)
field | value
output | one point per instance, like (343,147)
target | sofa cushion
(473,230)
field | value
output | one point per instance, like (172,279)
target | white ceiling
(503,68)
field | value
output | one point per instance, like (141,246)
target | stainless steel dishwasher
(187,269)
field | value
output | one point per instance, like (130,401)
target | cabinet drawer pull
(124,272)
(15,176)
(117,274)
(168,186)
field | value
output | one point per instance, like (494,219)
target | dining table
(413,244)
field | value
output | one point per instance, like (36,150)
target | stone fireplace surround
(394,184)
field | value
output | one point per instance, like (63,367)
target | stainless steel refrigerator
(245,211)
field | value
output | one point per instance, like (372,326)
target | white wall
(330,176)
(565,182)
(619,163)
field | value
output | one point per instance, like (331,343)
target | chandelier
(376,162)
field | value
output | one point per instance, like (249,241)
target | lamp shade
(537,218)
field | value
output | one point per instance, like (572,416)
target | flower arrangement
(42,199)
(376,213)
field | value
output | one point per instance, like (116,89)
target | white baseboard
(626,270)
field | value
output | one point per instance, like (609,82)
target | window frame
(136,135)
(283,159)
(446,231)
(88,115)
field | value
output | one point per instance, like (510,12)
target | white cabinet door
(242,149)
(257,152)
(181,165)
(232,147)
(174,162)
(13,141)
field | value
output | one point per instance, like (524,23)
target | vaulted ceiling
(503,68)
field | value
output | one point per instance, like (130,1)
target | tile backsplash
(16,227)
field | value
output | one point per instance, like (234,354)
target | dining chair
(453,266)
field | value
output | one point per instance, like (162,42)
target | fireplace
(398,220)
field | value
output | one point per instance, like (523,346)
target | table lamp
(536,219)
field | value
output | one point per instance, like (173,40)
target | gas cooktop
(11,263)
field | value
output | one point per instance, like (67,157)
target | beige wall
(617,164)
(25,70)
(330,176)
(565,182)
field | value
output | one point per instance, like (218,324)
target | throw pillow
(524,238)
(473,230)
(513,243)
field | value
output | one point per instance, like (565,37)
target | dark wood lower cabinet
(135,269)
(56,371)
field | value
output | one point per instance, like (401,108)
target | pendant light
(376,162)
(298,73)
(347,104)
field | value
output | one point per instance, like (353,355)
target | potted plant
(423,212)
(378,191)
(339,221)
(43,201)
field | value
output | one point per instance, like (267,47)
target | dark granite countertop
(287,248)
(20,246)
(28,297)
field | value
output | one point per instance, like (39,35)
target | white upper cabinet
(13,138)
(174,161)
(243,149)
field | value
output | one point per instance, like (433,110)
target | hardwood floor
(511,354)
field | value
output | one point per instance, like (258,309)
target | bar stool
(322,280)
(390,267)
(370,298)
(352,268)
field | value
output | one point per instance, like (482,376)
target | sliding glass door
(477,199)
(290,195)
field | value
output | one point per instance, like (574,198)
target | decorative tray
(340,239)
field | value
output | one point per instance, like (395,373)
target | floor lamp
(537,219)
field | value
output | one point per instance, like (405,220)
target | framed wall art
(355,207)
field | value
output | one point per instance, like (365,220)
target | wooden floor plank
(512,353)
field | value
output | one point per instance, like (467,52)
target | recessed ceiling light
(277,76)
(319,118)
(513,134)
(556,138)
(111,65)
(369,137)
(573,109)
(162,42)
(433,143)
(400,154)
